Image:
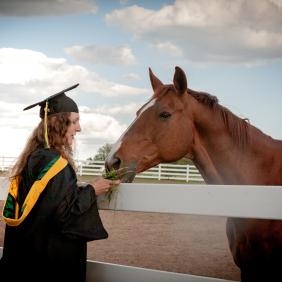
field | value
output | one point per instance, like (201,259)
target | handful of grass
(111,175)
(114,174)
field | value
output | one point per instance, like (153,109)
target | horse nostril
(116,164)
(113,163)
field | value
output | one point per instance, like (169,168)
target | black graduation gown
(50,244)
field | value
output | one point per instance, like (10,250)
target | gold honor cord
(46,143)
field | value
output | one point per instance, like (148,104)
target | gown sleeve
(77,214)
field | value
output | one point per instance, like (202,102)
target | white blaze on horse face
(118,144)
(146,106)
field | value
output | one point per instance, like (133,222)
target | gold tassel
(46,145)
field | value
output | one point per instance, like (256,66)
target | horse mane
(237,127)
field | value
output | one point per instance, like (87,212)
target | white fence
(187,173)
(221,200)
(6,162)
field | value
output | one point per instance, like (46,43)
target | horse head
(161,132)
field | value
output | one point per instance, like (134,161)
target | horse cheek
(176,146)
(185,139)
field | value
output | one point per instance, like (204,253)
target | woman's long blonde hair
(57,128)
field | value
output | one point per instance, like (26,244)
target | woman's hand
(102,185)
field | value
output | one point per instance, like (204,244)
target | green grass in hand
(111,175)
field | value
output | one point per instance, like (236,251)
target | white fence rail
(221,200)
(188,173)
(6,162)
(247,201)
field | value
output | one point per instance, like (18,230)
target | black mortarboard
(57,103)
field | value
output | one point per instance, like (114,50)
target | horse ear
(155,82)
(179,80)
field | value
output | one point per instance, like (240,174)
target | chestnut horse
(178,122)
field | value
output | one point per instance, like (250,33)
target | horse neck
(217,154)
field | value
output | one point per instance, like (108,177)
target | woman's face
(73,128)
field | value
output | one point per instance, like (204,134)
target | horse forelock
(160,92)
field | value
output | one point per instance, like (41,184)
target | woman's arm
(77,214)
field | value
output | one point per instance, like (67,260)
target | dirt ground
(179,243)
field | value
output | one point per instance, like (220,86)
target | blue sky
(231,49)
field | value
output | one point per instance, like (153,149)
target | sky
(230,49)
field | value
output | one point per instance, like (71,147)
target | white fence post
(187,173)
(160,172)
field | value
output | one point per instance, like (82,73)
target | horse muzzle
(126,171)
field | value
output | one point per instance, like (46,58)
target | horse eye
(164,115)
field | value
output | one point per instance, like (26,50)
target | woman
(49,218)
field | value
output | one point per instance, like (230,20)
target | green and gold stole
(12,213)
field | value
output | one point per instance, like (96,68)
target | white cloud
(33,75)
(132,76)
(119,55)
(27,77)
(127,109)
(169,48)
(45,7)
(13,116)
(97,130)
(100,126)
(16,127)
(23,66)
(236,31)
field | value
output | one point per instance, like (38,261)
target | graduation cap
(57,103)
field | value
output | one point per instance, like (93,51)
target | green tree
(102,152)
